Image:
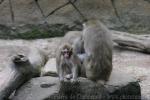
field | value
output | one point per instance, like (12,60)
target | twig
(117,14)
(147,1)
(43,15)
(57,9)
(67,3)
(11,11)
(36,1)
(2,1)
(83,17)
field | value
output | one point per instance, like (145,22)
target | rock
(120,85)
(48,88)
(50,68)
(37,89)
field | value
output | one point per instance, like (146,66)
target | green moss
(43,32)
(35,32)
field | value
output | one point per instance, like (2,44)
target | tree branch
(131,41)
(76,8)
(11,11)
(1,1)
(117,14)
(57,9)
(67,3)
(36,1)
(147,1)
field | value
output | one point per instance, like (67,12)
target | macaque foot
(68,76)
(73,80)
(61,79)
(102,82)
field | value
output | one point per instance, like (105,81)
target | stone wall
(126,15)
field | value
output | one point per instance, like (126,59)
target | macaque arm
(60,72)
(82,56)
(74,71)
(68,76)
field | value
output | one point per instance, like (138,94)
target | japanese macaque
(98,49)
(67,63)
(74,38)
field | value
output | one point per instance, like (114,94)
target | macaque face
(66,53)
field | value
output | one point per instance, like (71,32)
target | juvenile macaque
(98,49)
(67,63)
(74,38)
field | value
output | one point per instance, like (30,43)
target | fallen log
(50,68)
(38,59)
(18,71)
(137,42)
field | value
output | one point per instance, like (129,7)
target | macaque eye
(65,52)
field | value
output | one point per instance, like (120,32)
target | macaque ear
(71,49)
(62,51)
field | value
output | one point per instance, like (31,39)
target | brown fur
(69,66)
(98,47)
(74,38)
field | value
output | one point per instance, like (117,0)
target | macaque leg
(61,74)
(101,82)
(82,57)
(68,76)
(74,73)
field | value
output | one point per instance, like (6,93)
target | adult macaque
(67,63)
(98,49)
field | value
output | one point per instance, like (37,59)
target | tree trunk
(18,71)
(137,42)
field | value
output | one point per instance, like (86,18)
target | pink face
(66,53)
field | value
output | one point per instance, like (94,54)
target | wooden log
(18,71)
(50,68)
(38,59)
(137,42)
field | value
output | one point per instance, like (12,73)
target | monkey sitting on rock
(96,43)
(67,63)
(98,50)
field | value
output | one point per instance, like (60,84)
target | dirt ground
(132,62)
